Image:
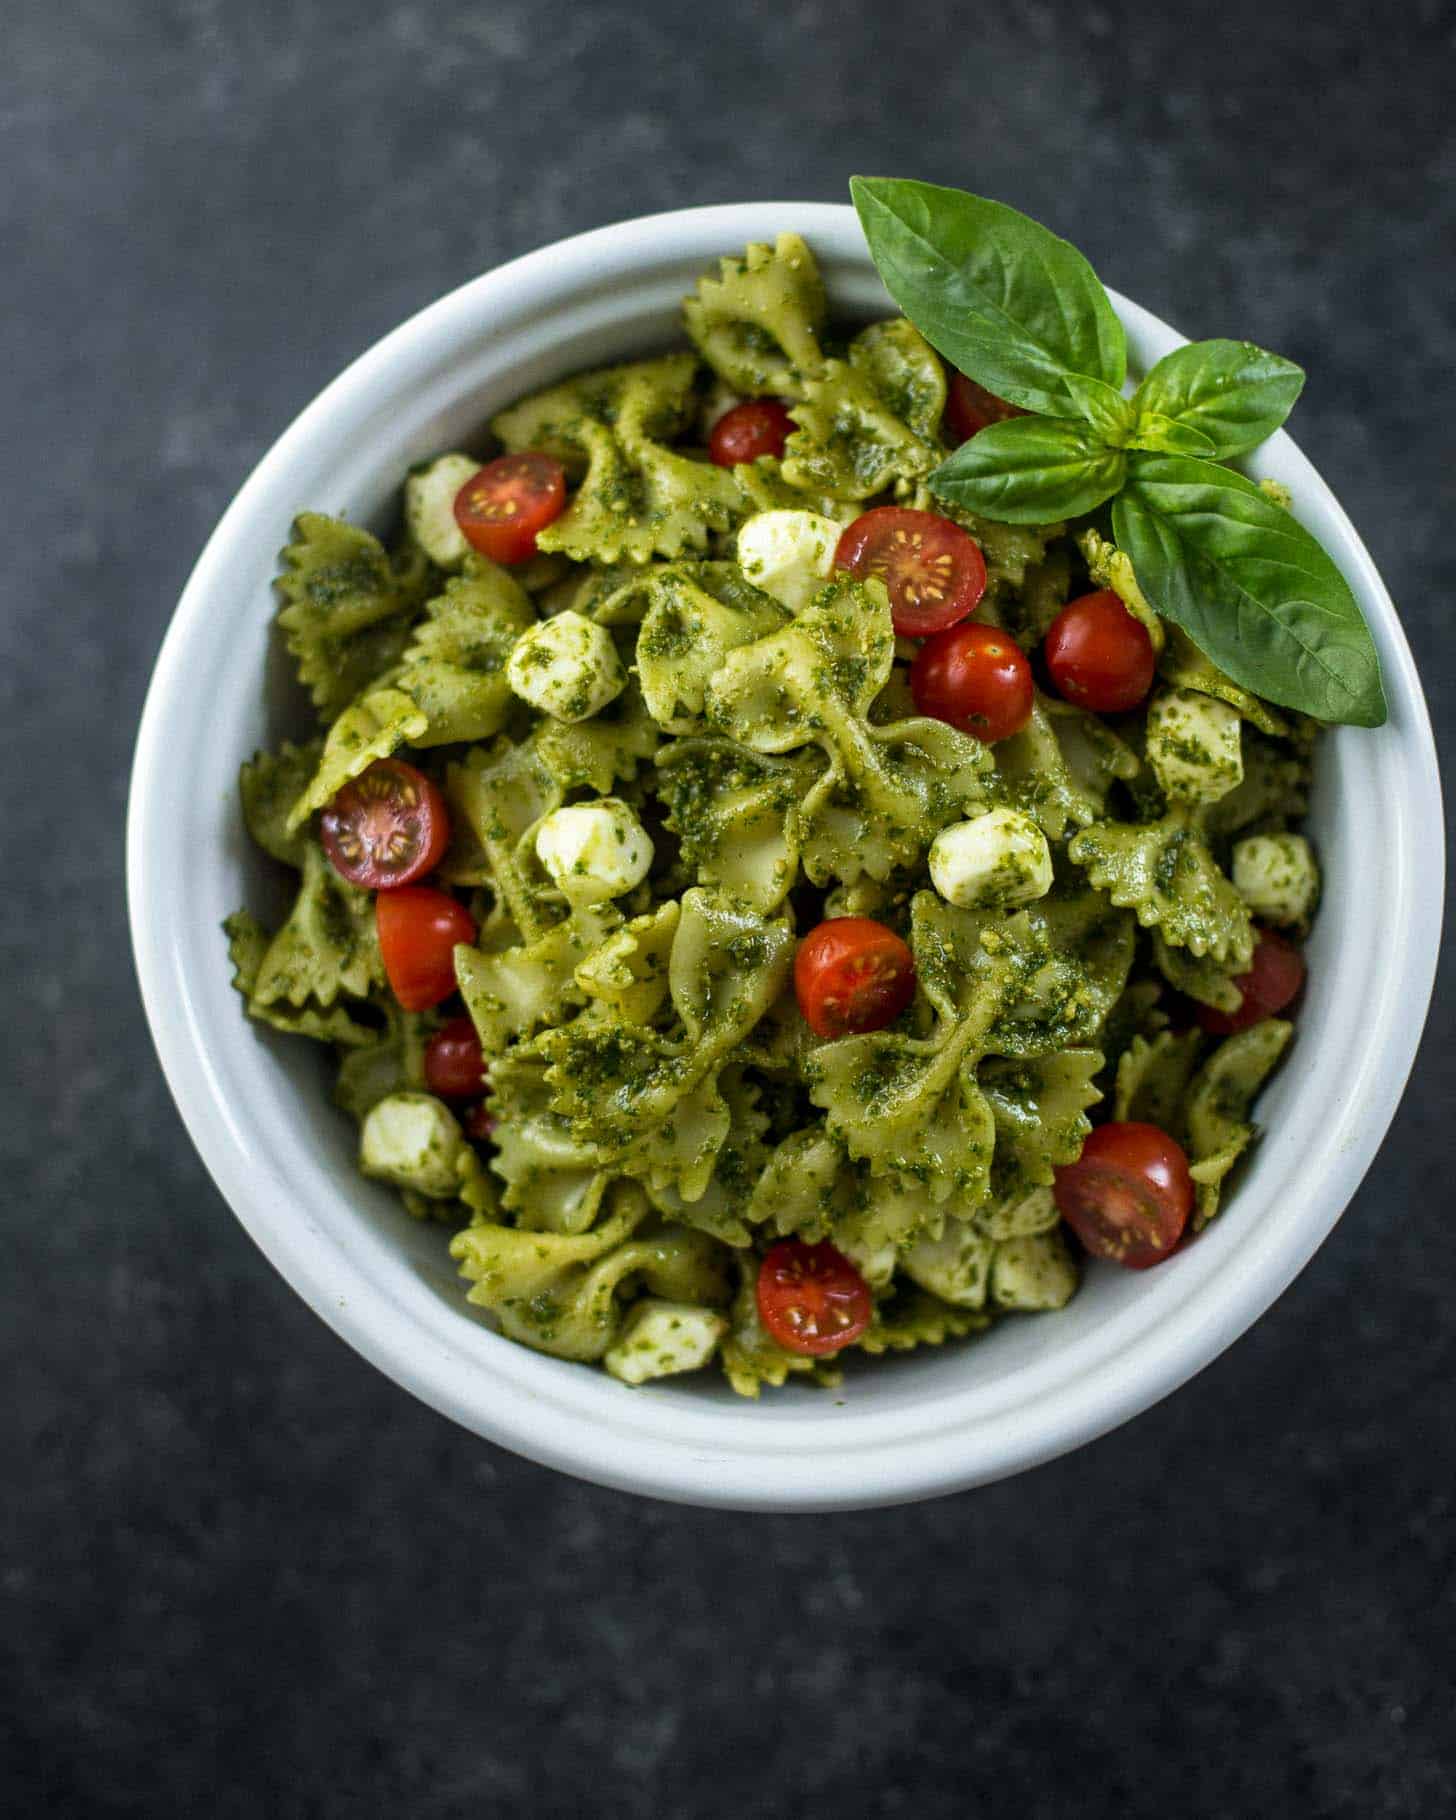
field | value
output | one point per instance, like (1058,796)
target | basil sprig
(1022,313)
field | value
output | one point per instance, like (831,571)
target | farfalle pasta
(729,905)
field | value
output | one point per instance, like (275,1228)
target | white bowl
(256,1104)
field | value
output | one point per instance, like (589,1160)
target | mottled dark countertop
(244,1574)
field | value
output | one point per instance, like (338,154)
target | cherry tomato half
(454,1065)
(503,507)
(811,1298)
(418,930)
(387,827)
(1275,976)
(934,571)
(852,975)
(1098,655)
(976,677)
(970,407)
(1128,1196)
(760,426)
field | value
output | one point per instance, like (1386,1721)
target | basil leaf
(1167,436)
(1111,417)
(1231,392)
(1250,587)
(1030,471)
(1013,306)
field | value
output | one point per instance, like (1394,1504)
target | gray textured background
(242,1573)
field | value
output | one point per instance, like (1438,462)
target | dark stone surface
(242,1573)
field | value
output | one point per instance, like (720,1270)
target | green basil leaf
(1167,436)
(1004,299)
(1250,587)
(1230,392)
(1111,417)
(1030,471)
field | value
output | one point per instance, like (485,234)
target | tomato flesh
(1275,976)
(419,928)
(454,1064)
(759,426)
(504,507)
(811,1298)
(976,677)
(1128,1196)
(1098,655)
(934,571)
(852,975)
(386,827)
(970,408)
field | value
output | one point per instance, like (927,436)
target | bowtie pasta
(764,912)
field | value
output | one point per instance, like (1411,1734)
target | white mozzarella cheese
(414,1141)
(1277,877)
(566,667)
(998,858)
(661,1338)
(429,508)
(594,850)
(788,554)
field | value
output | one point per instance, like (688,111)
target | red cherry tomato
(935,572)
(976,677)
(811,1298)
(503,507)
(852,975)
(480,1123)
(1128,1196)
(970,407)
(454,1065)
(1098,655)
(386,827)
(418,931)
(761,426)
(1275,976)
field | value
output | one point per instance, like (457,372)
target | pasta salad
(774,883)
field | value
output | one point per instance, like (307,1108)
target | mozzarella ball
(566,667)
(429,508)
(414,1141)
(788,554)
(660,1338)
(999,858)
(1194,745)
(594,850)
(1276,876)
